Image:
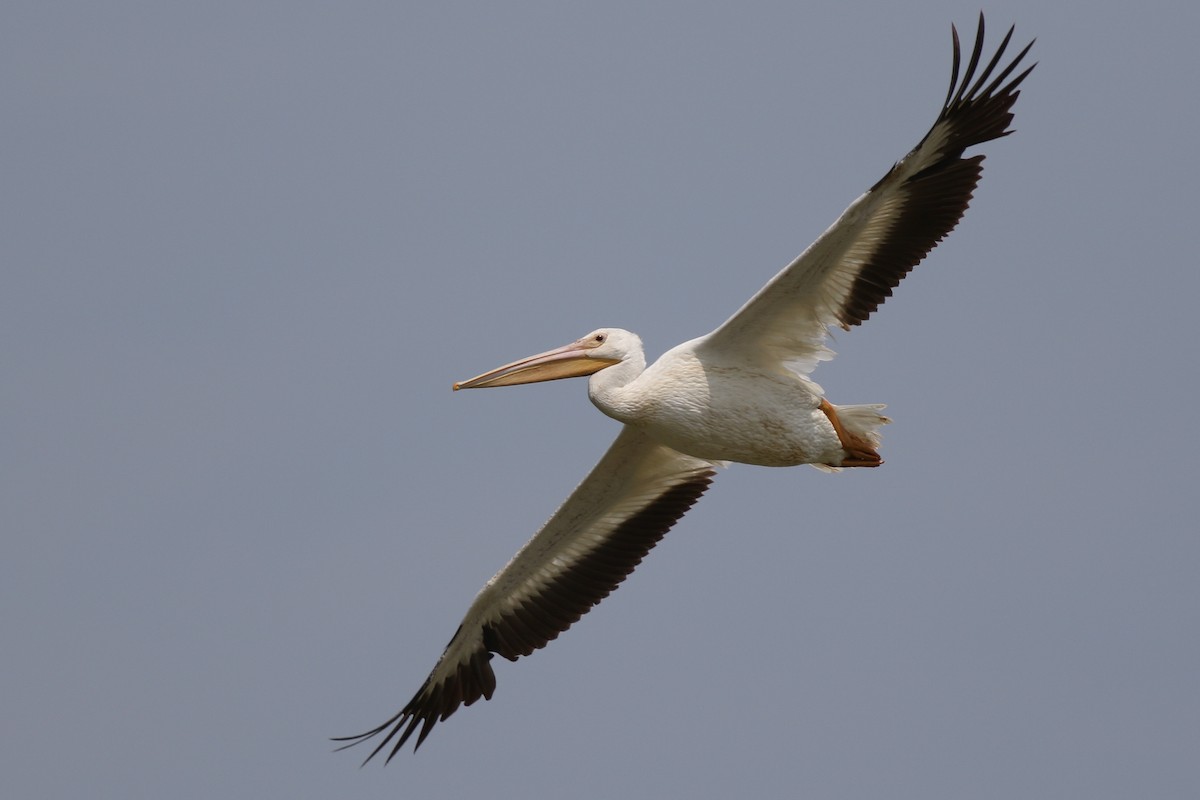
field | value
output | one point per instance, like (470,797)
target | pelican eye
(598,338)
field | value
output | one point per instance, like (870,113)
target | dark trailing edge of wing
(934,199)
(540,619)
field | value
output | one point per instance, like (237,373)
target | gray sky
(247,248)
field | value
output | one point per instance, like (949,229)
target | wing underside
(637,492)
(856,263)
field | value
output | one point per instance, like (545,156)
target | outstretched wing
(603,530)
(854,265)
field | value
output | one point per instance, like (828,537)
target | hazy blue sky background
(247,247)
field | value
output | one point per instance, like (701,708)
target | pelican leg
(859,452)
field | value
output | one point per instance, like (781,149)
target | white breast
(726,412)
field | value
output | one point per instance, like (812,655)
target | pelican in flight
(741,393)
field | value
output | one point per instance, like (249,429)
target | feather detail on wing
(637,492)
(854,265)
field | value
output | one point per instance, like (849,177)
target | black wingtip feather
(978,109)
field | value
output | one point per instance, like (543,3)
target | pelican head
(601,348)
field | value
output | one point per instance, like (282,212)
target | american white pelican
(741,393)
